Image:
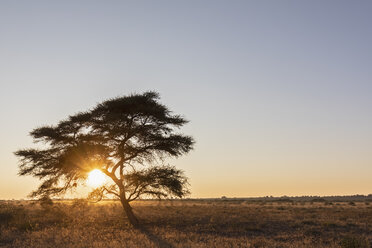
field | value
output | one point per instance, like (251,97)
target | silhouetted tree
(125,137)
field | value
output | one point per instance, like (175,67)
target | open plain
(187,223)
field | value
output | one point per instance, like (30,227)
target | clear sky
(279,93)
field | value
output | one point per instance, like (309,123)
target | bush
(354,242)
(15,216)
(79,203)
(318,200)
(5,217)
(46,202)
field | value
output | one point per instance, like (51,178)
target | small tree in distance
(125,138)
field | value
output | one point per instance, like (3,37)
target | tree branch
(114,178)
(111,192)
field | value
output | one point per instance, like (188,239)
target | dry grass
(186,224)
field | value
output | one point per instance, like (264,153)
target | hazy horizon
(278,93)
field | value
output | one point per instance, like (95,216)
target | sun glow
(96,178)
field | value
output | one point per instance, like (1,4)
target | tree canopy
(127,138)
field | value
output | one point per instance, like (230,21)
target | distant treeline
(296,198)
(345,198)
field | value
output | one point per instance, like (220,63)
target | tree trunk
(129,212)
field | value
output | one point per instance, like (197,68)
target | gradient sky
(279,93)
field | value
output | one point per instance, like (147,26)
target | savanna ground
(187,223)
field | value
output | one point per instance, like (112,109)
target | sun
(96,178)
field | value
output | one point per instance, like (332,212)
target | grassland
(187,224)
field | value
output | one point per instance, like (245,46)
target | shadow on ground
(156,240)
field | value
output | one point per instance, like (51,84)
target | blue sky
(278,92)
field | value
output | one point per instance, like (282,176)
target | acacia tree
(125,137)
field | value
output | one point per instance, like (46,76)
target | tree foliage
(124,137)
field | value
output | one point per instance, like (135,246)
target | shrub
(15,216)
(46,202)
(354,242)
(318,200)
(5,217)
(79,203)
